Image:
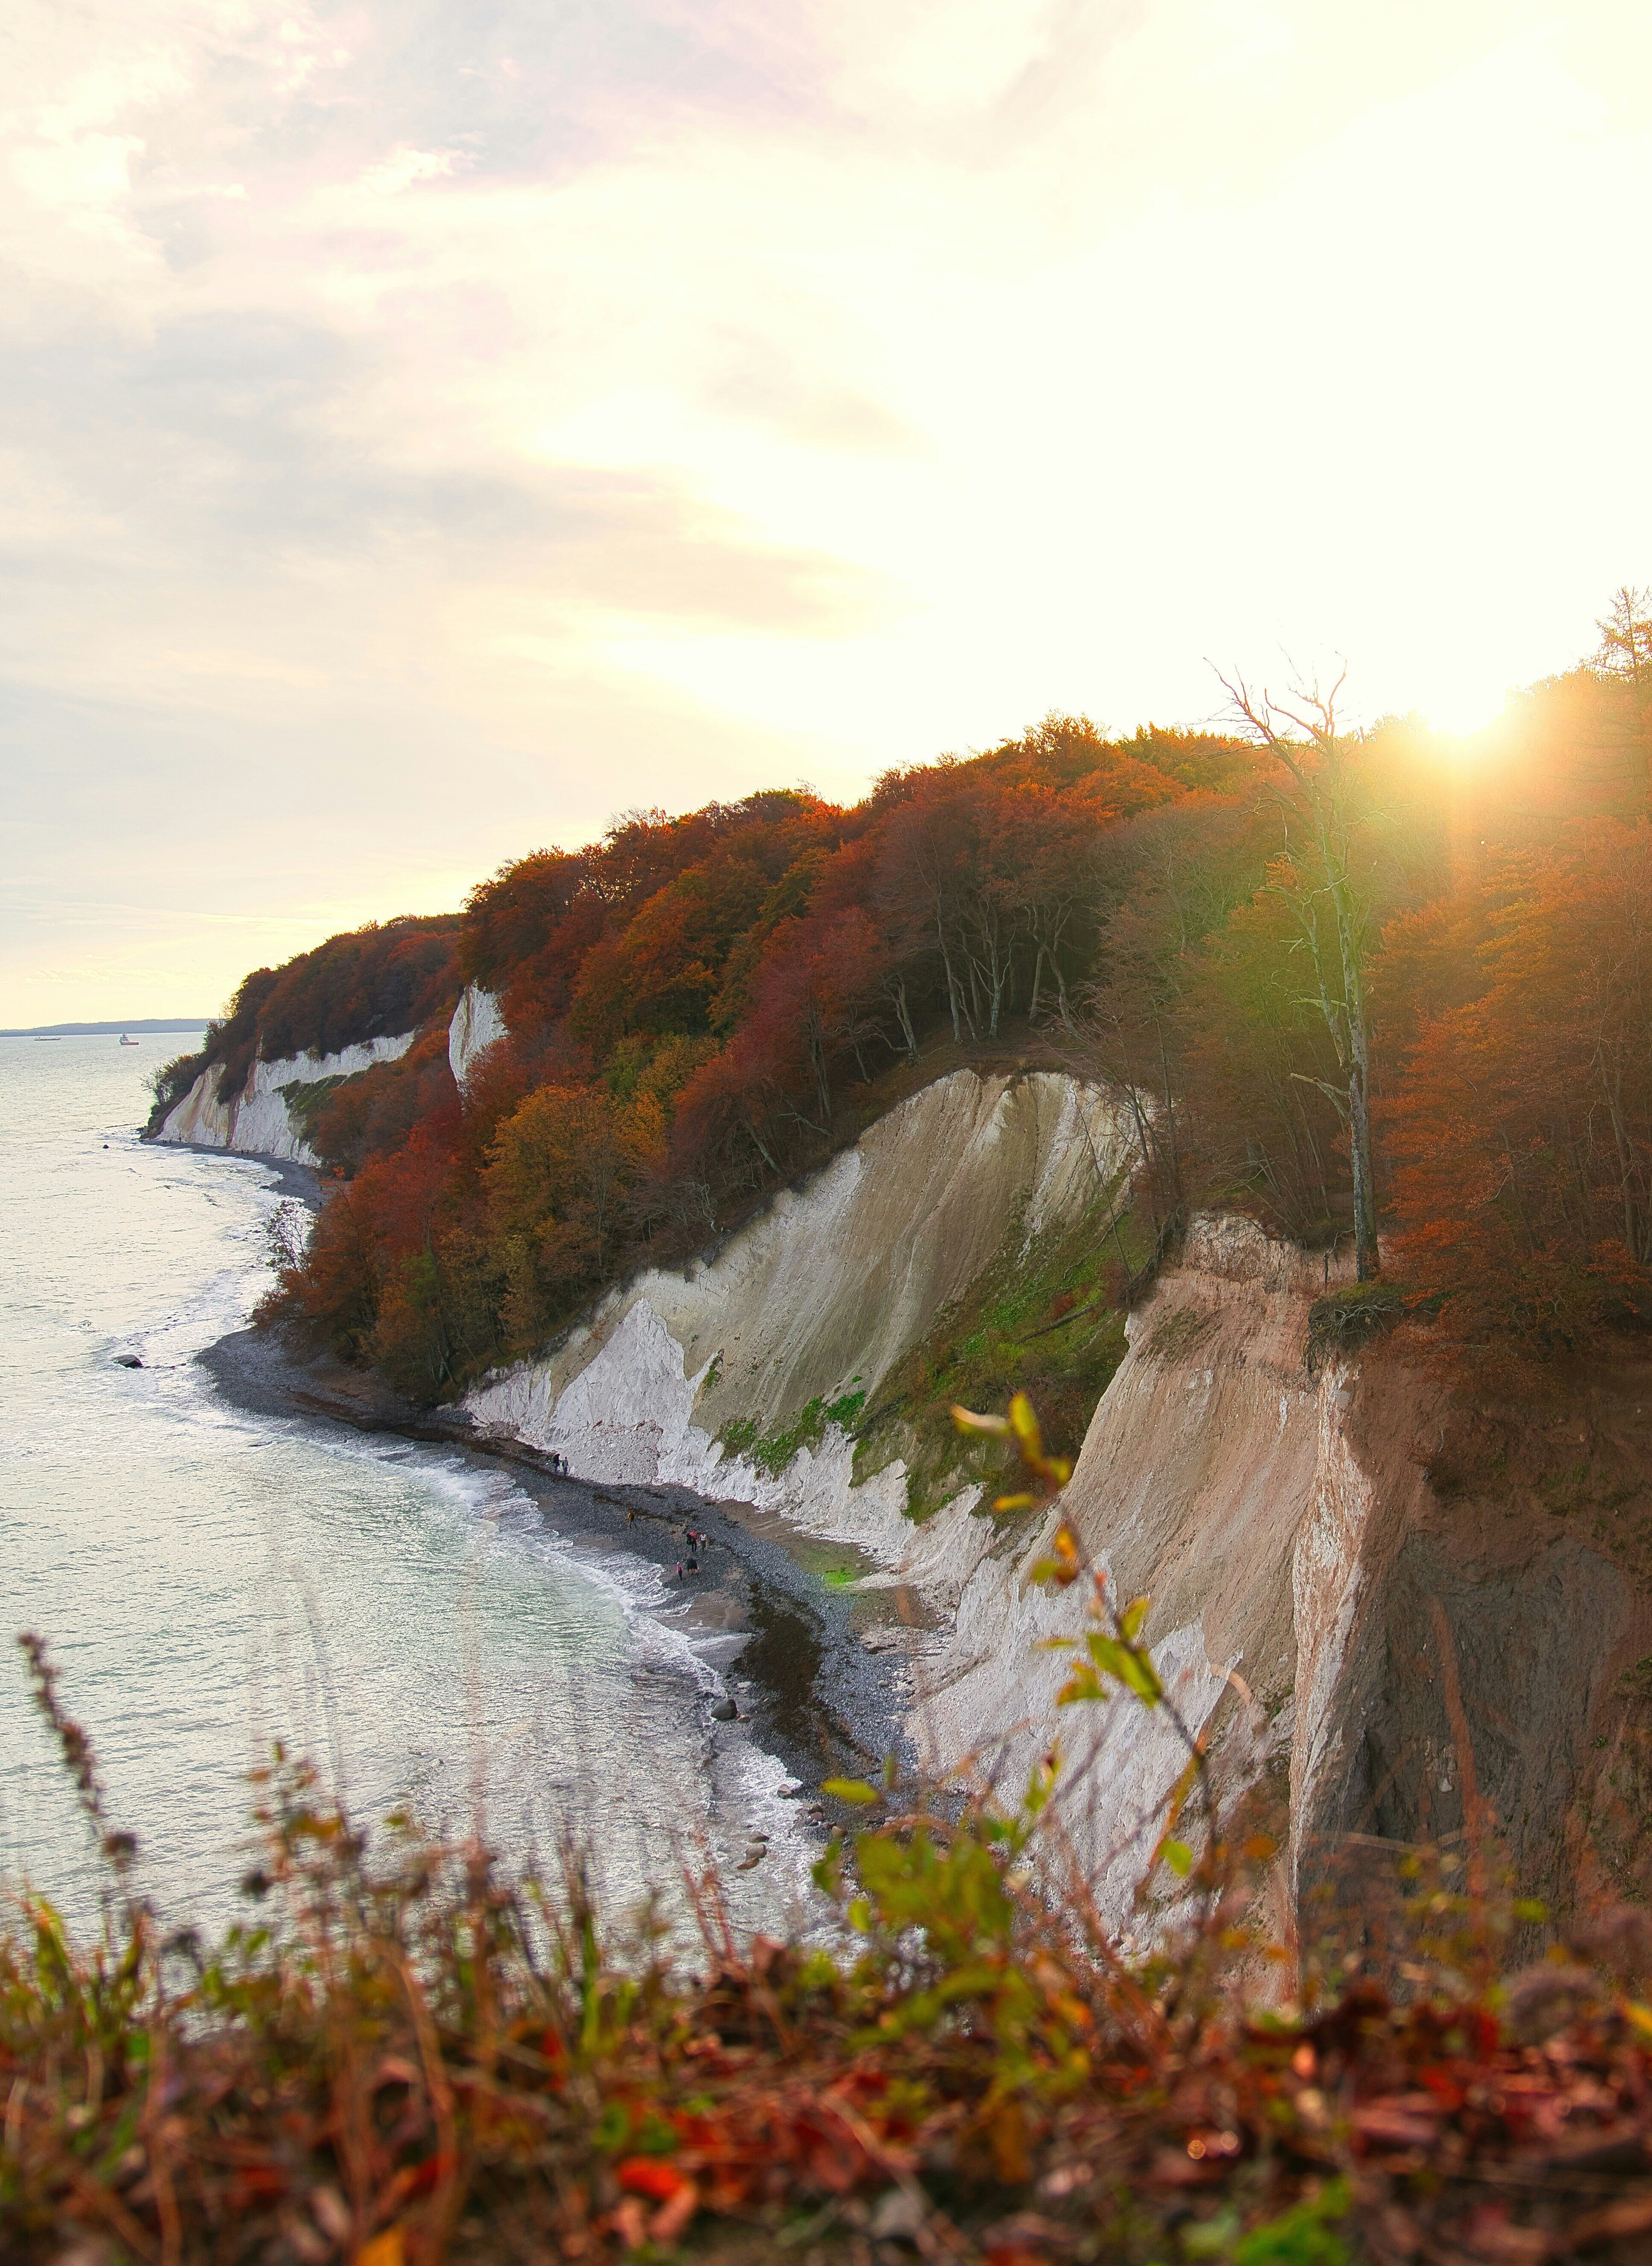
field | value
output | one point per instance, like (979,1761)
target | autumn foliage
(693,1006)
(698,1006)
(1519,1125)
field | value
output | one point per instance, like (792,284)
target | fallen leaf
(1009,2145)
(630,2222)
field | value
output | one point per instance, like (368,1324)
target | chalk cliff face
(819,1297)
(1286,1529)
(477,1023)
(1282,1523)
(256,1121)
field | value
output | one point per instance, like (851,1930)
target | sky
(427,430)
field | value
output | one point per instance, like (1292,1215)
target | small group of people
(696,1543)
(559,1465)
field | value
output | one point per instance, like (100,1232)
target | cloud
(403,167)
(682,380)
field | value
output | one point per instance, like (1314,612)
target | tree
(1626,638)
(556,1184)
(1158,1024)
(923,870)
(1042,872)
(1331,910)
(1520,1124)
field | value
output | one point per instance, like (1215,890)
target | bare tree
(1626,638)
(1333,913)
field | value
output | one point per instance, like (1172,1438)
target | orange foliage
(1520,1127)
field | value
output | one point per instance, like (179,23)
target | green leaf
(1179,1857)
(1130,1664)
(1108,1653)
(1143,1679)
(1132,1617)
(1302,2236)
(1024,1423)
(849,1789)
(828,1875)
(613,2130)
(860,1916)
(1530,1908)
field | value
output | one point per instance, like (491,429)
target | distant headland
(111,1030)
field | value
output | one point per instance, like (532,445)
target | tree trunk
(817,1063)
(1367,1260)
(903,1016)
(954,999)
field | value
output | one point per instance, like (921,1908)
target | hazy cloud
(478,417)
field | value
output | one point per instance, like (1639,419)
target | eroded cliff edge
(1299,1534)
(258,1117)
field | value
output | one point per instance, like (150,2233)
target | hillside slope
(1309,1533)
(1293,1530)
(694,1376)
(257,1118)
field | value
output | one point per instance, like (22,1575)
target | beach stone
(723,1710)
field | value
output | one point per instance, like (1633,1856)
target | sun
(1465,708)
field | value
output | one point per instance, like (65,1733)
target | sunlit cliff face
(472,421)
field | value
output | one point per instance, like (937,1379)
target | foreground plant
(403,2058)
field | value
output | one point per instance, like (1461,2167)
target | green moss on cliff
(307,1098)
(1043,1318)
(773,1451)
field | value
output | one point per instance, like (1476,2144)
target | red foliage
(804,944)
(1520,1126)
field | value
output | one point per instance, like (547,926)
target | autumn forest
(1385,990)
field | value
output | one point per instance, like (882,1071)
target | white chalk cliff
(477,1023)
(255,1120)
(823,1293)
(1217,1475)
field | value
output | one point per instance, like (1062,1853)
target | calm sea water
(209,1579)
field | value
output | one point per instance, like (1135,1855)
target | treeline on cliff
(368,983)
(698,1006)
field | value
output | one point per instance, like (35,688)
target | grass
(772,1452)
(1043,1319)
(307,1098)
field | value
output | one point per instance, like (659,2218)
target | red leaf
(650,2176)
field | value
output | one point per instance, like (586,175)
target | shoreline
(301,1183)
(817,1672)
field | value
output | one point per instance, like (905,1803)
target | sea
(209,1582)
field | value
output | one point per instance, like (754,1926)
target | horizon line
(153,1023)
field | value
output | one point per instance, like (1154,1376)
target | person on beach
(679,1569)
